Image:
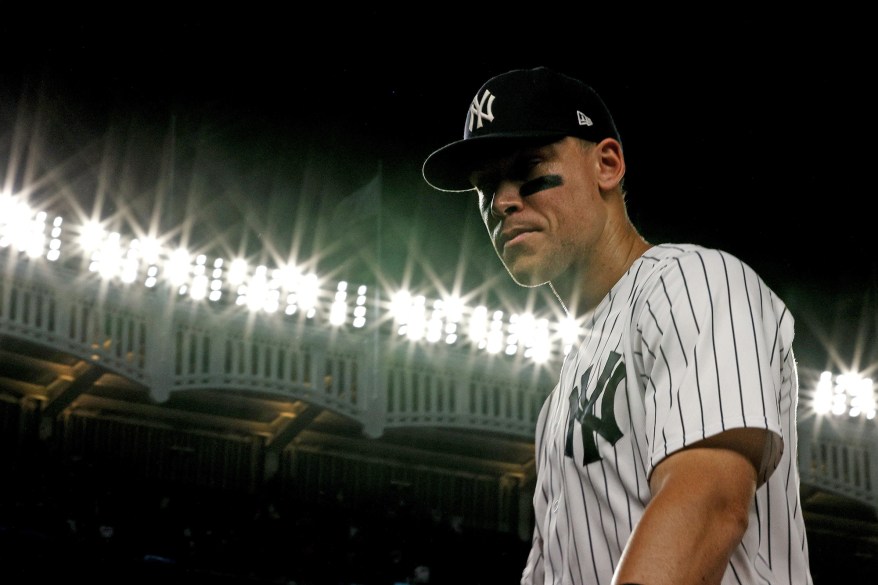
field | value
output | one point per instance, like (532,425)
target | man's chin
(526,279)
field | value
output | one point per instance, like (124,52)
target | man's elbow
(735,515)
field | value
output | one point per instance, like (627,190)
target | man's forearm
(695,520)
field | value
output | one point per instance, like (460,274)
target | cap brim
(449,168)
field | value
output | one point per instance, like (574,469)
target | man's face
(542,208)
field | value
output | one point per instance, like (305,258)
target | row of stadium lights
(25,231)
(272,291)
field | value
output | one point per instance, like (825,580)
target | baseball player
(666,454)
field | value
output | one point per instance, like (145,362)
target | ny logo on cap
(477,110)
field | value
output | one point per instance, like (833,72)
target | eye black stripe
(541,184)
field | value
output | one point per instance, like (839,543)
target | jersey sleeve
(716,345)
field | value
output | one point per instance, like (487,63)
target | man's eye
(525,169)
(534,163)
(486,191)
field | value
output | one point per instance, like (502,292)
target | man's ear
(611,161)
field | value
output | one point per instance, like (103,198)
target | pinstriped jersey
(688,343)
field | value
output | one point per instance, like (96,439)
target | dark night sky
(740,133)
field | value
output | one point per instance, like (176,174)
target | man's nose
(507,199)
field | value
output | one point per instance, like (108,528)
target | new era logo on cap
(517,107)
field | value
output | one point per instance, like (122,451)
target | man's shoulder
(672,250)
(679,263)
(681,254)
(686,265)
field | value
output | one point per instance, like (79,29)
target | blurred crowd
(72,519)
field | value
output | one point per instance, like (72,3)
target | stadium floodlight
(308,290)
(91,236)
(216,282)
(198,290)
(822,400)
(303,293)
(106,258)
(494,341)
(849,393)
(55,242)
(21,228)
(257,289)
(539,348)
(338,311)
(35,236)
(400,306)
(478,325)
(454,309)
(360,309)
(568,329)
(150,250)
(417,318)
(409,313)
(130,264)
(151,277)
(436,322)
(177,267)
(238,272)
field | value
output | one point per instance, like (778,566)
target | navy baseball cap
(515,109)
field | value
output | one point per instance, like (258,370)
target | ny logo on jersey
(583,411)
(477,111)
